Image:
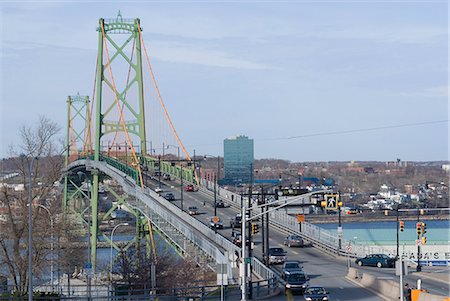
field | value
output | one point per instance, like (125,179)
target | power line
(335,132)
(355,130)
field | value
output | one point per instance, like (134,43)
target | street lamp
(51,243)
(111,257)
(82,175)
(181,173)
(216,179)
(30,161)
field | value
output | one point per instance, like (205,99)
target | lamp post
(88,184)
(181,175)
(216,179)
(111,250)
(52,241)
(30,226)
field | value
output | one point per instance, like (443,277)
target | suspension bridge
(124,132)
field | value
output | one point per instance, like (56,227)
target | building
(238,159)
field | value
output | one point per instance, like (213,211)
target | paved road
(323,269)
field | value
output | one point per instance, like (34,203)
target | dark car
(277,255)
(236,222)
(316,293)
(293,241)
(290,267)
(169,196)
(220,204)
(376,260)
(297,282)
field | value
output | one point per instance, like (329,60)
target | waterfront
(384,232)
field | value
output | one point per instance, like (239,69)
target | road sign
(331,201)
(215,219)
(418,242)
(349,248)
(300,218)
(248,260)
(88,269)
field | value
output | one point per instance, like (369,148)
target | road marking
(341,287)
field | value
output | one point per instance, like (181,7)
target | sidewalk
(440,274)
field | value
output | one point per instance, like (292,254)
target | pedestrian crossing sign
(331,201)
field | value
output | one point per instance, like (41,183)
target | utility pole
(159,171)
(250,195)
(340,222)
(263,201)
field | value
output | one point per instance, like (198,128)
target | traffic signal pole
(419,267)
(398,237)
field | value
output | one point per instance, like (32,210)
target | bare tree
(37,143)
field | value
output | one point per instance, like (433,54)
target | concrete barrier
(389,289)
(431,297)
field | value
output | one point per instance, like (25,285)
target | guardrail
(194,230)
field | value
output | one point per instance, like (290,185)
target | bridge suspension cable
(160,97)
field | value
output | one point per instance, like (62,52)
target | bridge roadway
(324,269)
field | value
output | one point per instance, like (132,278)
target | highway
(323,269)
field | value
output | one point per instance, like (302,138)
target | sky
(307,80)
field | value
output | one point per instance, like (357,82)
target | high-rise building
(238,159)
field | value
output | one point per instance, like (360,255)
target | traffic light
(422,212)
(419,228)
(424,240)
(402,225)
(386,212)
(424,228)
(255,228)
(323,203)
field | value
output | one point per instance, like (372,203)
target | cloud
(438,91)
(179,53)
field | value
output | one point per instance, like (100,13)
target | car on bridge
(215,223)
(169,196)
(376,260)
(166,177)
(316,293)
(290,267)
(237,240)
(296,282)
(277,255)
(293,241)
(158,190)
(236,222)
(220,204)
(190,188)
(192,210)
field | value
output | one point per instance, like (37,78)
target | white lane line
(341,287)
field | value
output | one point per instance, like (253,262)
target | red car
(189,188)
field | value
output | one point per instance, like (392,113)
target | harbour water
(381,237)
(385,233)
